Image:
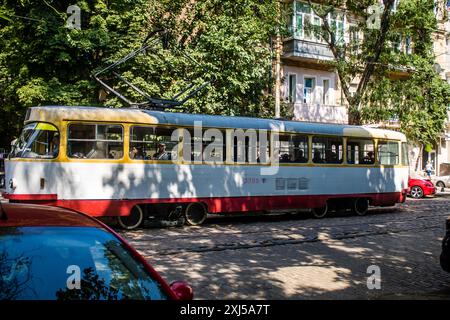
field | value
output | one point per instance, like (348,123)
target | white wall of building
(321,105)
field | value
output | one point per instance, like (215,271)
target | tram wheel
(319,213)
(195,214)
(133,220)
(360,206)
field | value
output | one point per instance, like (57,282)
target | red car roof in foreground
(29,215)
(22,215)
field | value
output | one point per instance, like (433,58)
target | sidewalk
(444,193)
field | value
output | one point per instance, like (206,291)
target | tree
(391,83)
(43,62)
(418,100)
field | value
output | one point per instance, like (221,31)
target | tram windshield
(38,140)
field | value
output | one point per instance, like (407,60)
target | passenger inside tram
(300,157)
(369,158)
(136,153)
(317,158)
(331,157)
(161,154)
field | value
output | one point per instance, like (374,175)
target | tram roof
(55,114)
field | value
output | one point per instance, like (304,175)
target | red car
(49,253)
(418,188)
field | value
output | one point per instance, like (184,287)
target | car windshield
(71,263)
(38,140)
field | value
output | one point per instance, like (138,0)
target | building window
(308,90)
(408,45)
(292,88)
(447,6)
(326,92)
(307,23)
(354,37)
(395,5)
(353,88)
(336,21)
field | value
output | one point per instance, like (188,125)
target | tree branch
(330,39)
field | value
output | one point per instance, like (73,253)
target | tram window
(95,141)
(327,150)
(263,149)
(245,146)
(405,159)
(213,143)
(388,152)
(292,148)
(38,140)
(282,146)
(300,148)
(205,146)
(152,143)
(193,145)
(360,151)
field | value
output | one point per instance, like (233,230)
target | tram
(137,164)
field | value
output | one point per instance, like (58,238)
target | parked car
(418,188)
(445,254)
(49,253)
(441,182)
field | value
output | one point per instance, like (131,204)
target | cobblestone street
(297,257)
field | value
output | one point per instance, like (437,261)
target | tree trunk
(278,49)
(354,116)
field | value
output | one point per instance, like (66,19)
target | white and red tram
(123,163)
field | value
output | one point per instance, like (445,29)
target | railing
(307,49)
(320,113)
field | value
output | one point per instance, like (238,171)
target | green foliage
(418,102)
(419,99)
(43,62)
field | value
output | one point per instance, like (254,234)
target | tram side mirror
(182,290)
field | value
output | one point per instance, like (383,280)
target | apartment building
(312,90)
(310,87)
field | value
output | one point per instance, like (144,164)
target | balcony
(312,51)
(320,113)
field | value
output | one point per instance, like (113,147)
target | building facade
(311,89)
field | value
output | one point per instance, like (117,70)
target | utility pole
(278,48)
